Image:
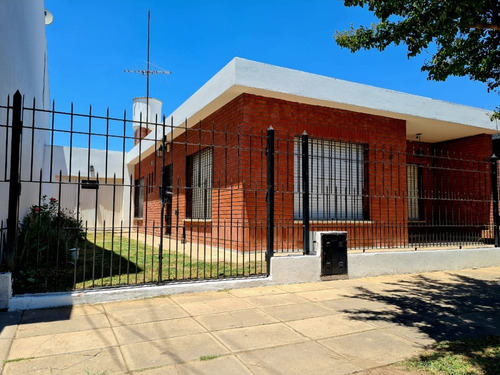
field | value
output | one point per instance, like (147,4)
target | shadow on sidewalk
(456,307)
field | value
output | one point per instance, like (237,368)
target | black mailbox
(333,253)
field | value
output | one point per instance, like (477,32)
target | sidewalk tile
(77,323)
(97,361)
(227,365)
(325,294)
(354,305)
(60,313)
(298,311)
(304,358)
(141,311)
(235,319)
(170,351)
(259,291)
(39,346)
(373,348)
(275,300)
(230,303)
(157,330)
(328,326)
(250,338)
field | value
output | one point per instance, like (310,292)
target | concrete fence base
(5,289)
(284,270)
(396,263)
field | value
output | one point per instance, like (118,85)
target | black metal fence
(101,205)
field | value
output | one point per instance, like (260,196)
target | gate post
(494,188)
(14,182)
(270,197)
(305,189)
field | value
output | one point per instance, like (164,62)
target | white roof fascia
(246,76)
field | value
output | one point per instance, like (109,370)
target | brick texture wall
(236,133)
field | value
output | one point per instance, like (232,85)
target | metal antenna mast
(148,72)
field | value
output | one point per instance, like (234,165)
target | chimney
(144,119)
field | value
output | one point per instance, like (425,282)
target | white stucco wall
(109,198)
(23,67)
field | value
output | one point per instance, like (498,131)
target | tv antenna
(147,72)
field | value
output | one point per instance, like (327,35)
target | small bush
(46,234)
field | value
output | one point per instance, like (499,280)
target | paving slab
(228,303)
(328,326)
(257,337)
(94,361)
(235,319)
(227,365)
(141,311)
(73,324)
(326,294)
(275,300)
(286,313)
(176,350)
(372,348)
(303,358)
(38,346)
(60,313)
(356,305)
(261,291)
(157,330)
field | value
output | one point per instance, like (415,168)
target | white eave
(437,120)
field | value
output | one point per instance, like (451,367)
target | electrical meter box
(332,247)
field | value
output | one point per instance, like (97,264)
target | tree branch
(483,26)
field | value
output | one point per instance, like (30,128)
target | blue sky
(90,42)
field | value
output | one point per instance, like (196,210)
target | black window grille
(337,180)
(199,185)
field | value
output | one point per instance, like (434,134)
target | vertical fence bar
(270,197)
(305,189)
(494,188)
(14,182)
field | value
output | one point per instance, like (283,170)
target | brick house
(389,167)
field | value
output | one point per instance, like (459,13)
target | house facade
(392,169)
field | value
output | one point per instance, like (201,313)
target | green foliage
(463,35)
(461,357)
(46,234)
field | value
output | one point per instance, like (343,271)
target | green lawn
(110,260)
(461,357)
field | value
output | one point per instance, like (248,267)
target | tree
(463,35)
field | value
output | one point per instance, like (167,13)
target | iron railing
(102,206)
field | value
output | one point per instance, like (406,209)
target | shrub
(45,235)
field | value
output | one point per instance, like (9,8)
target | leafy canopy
(464,35)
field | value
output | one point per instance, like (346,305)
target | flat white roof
(437,120)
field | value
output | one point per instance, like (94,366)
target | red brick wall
(237,134)
(140,134)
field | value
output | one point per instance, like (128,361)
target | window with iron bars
(199,185)
(337,180)
(414,191)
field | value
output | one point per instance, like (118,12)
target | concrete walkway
(331,327)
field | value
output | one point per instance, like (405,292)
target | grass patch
(461,357)
(17,360)
(107,259)
(209,357)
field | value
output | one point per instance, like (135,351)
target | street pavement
(329,327)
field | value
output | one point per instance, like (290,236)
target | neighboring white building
(23,67)
(108,205)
